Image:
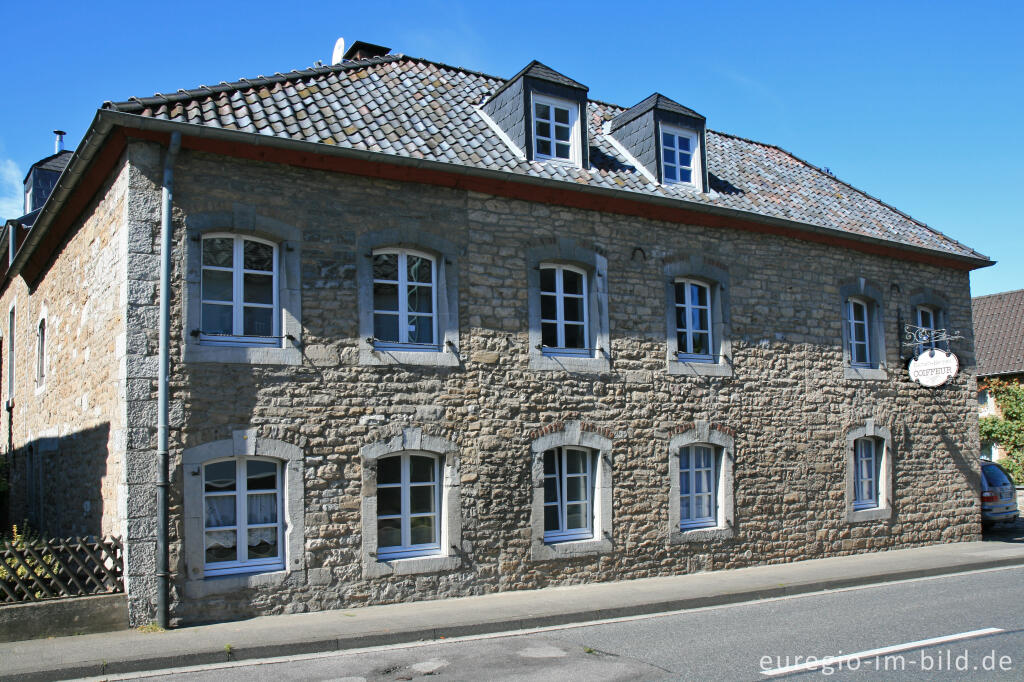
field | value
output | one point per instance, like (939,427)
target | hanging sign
(933,367)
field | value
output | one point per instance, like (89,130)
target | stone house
(426,333)
(999,333)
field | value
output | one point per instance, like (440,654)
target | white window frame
(933,321)
(41,353)
(407,549)
(866,470)
(242,525)
(692,474)
(403,313)
(851,304)
(559,320)
(560,477)
(694,152)
(238,304)
(702,436)
(451,549)
(874,464)
(574,135)
(686,354)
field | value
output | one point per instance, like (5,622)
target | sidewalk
(131,651)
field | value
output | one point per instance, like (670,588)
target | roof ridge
(133,104)
(998,293)
(831,176)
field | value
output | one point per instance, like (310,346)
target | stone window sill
(699,369)
(688,535)
(374,357)
(865,373)
(568,550)
(569,363)
(243,355)
(863,515)
(373,568)
(197,589)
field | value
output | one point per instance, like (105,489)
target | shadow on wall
(56,483)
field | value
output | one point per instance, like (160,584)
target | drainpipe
(166,194)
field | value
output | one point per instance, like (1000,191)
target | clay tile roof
(999,333)
(416,108)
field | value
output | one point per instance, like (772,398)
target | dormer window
(679,155)
(554,125)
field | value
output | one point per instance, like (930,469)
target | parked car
(998,495)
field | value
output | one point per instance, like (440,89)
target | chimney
(58,144)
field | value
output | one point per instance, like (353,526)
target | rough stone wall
(66,435)
(787,402)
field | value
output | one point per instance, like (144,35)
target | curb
(243,653)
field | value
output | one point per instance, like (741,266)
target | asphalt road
(738,642)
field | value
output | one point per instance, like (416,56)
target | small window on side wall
(41,353)
(858,319)
(869,473)
(928,321)
(239,291)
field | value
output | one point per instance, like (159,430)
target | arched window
(242,501)
(700,468)
(239,290)
(863,333)
(404,299)
(571,514)
(41,353)
(569,493)
(869,473)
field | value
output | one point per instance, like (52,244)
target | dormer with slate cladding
(544,114)
(667,139)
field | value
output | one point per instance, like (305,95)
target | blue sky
(917,103)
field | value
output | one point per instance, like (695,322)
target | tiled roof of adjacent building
(420,109)
(999,333)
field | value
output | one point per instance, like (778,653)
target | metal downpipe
(166,196)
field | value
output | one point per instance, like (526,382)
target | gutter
(166,197)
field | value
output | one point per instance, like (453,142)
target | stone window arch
(863,330)
(443,349)
(448,513)
(283,342)
(716,359)
(869,493)
(566,254)
(706,437)
(244,445)
(571,437)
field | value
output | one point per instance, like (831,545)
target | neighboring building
(434,333)
(999,343)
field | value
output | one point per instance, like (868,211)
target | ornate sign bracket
(924,336)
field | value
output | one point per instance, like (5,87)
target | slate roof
(55,162)
(656,100)
(420,109)
(999,333)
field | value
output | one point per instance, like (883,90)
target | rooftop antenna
(58,144)
(339,51)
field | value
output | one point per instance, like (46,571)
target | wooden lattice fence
(52,569)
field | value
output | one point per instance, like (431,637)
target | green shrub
(10,567)
(1006,429)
